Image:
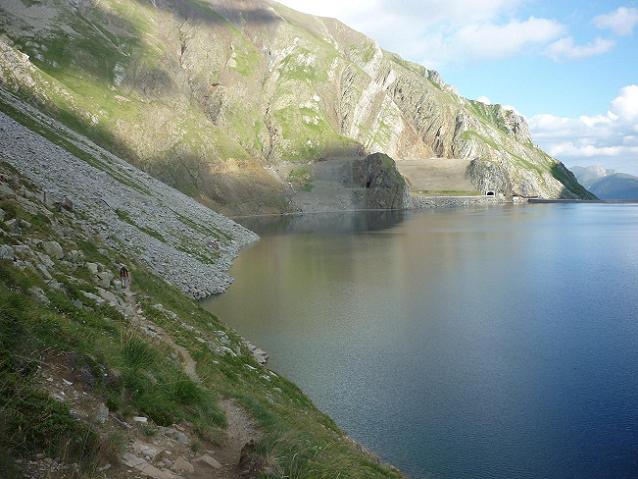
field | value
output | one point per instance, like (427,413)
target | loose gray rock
(40,296)
(182,466)
(44,271)
(108,297)
(7,253)
(102,413)
(209,461)
(6,193)
(104,279)
(75,256)
(175,435)
(53,249)
(92,267)
(23,250)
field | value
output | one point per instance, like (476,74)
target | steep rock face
(381,184)
(210,95)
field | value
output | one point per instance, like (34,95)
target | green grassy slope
(133,374)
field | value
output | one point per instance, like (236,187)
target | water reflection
(333,223)
(492,343)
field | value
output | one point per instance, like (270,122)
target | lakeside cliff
(232,102)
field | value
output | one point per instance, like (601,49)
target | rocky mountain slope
(99,379)
(228,99)
(608,184)
(178,238)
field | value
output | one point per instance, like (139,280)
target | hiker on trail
(124,277)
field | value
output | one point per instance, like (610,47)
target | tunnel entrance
(490,193)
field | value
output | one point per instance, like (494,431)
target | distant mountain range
(607,184)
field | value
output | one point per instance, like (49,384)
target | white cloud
(608,138)
(436,32)
(621,21)
(626,104)
(484,99)
(567,49)
(497,41)
(425,12)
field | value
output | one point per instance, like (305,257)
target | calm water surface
(497,343)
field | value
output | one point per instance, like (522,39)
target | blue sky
(571,68)
(536,84)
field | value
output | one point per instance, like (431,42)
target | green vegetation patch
(124,216)
(301,177)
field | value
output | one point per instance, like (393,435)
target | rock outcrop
(212,97)
(381,185)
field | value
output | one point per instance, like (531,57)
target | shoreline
(424,202)
(569,201)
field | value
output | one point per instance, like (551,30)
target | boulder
(6,193)
(23,250)
(108,296)
(149,452)
(39,295)
(14,225)
(175,435)
(7,252)
(104,279)
(102,413)
(75,256)
(53,249)
(92,267)
(145,468)
(209,461)
(44,271)
(182,466)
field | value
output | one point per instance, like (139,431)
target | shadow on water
(325,223)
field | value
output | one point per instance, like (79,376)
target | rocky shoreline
(424,202)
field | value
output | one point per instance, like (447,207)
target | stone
(145,468)
(149,452)
(13,225)
(23,250)
(140,419)
(104,279)
(102,413)
(92,297)
(46,260)
(108,296)
(260,355)
(2,214)
(39,295)
(53,249)
(66,204)
(44,271)
(182,466)
(175,435)
(6,193)
(53,284)
(92,267)
(7,253)
(75,256)
(209,461)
